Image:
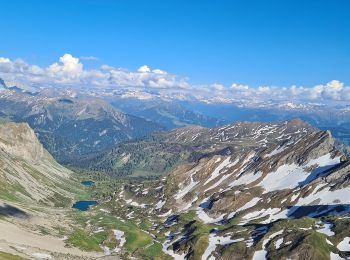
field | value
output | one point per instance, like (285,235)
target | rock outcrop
(28,172)
(19,140)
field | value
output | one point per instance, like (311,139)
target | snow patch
(119,235)
(261,254)
(134,203)
(160,204)
(248,205)
(276,151)
(326,229)
(344,245)
(166,249)
(41,256)
(217,170)
(204,216)
(245,179)
(290,176)
(334,256)
(187,188)
(103,132)
(217,240)
(278,243)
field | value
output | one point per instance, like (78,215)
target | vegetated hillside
(160,152)
(144,158)
(28,173)
(249,191)
(166,113)
(71,128)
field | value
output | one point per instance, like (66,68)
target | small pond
(87,183)
(84,205)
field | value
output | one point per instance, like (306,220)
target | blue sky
(278,43)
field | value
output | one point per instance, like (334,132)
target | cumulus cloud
(69,70)
(158,71)
(331,91)
(264,89)
(217,87)
(144,69)
(239,87)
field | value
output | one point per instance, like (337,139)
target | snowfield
(344,245)
(290,176)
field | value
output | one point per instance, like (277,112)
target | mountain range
(246,190)
(173,110)
(167,179)
(71,128)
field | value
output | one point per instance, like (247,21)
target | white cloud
(217,87)
(67,70)
(70,71)
(158,71)
(4,60)
(263,89)
(239,87)
(144,69)
(331,91)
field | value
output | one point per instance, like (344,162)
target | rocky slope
(70,128)
(249,191)
(28,172)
